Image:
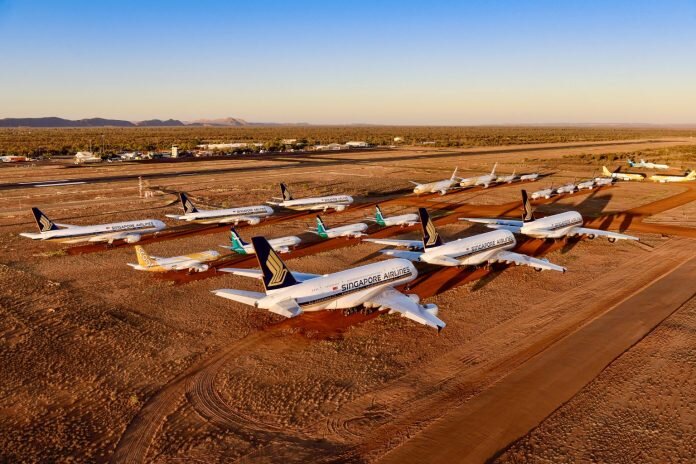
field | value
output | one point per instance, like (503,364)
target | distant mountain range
(101,122)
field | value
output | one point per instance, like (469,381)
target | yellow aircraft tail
(605,171)
(143,258)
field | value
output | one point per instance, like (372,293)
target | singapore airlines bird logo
(432,233)
(45,224)
(277,270)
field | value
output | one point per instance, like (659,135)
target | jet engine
(252,221)
(199,268)
(340,208)
(132,238)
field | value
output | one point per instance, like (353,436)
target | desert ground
(102,363)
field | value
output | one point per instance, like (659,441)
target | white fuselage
(649,165)
(558,225)
(486,180)
(280,244)
(75,234)
(567,188)
(602,181)
(506,179)
(440,186)
(345,289)
(402,220)
(337,202)
(664,179)
(588,184)
(227,215)
(545,193)
(349,230)
(529,177)
(471,251)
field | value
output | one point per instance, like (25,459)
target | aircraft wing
(502,222)
(258,274)
(410,255)
(524,260)
(397,301)
(237,219)
(602,233)
(413,244)
(241,296)
(325,206)
(287,308)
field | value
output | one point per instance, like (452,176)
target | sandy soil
(105,363)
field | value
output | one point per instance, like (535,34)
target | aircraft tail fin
(493,170)
(321,228)
(454,174)
(379,217)
(605,171)
(276,274)
(44,223)
(630,162)
(691,175)
(187,204)
(236,241)
(431,238)
(287,196)
(144,259)
(527,210)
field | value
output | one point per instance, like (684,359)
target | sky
(340,62)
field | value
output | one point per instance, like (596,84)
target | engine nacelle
(252,221)
(414,297)
(132,238)
(431,308)
(340,208)
(591,236)
(199,268)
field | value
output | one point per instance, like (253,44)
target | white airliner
(249,214)
(567,188)
(689,176)
(484,180)
(507,179)
(349,231)
(586,184)
(401,220)
(194,262)
(566,224)
(335,202)
(487,248)
(602,181)
(543,193)
(529,177)
(280,244)
(647,165)
(440,186)
(290,293)
(129,231)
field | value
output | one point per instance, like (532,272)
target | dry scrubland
(37,142)
(99,359)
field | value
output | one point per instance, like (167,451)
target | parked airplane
(485,180)
(441,186)
(487,248)
(544,193)
(647,165)
(290,293)
(249,214)
(15,159)
(195,262)
(529,177)
(280,244)
(348,231)
(586,184)
(623,175)
(602,181)
(507,179)
(401,220)
(129,231)
(566,224)
(335,202)
(689,176)
(567,188)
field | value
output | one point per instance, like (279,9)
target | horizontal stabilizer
(257,274)
(287,308)
(241,296)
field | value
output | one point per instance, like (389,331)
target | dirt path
(477,430)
